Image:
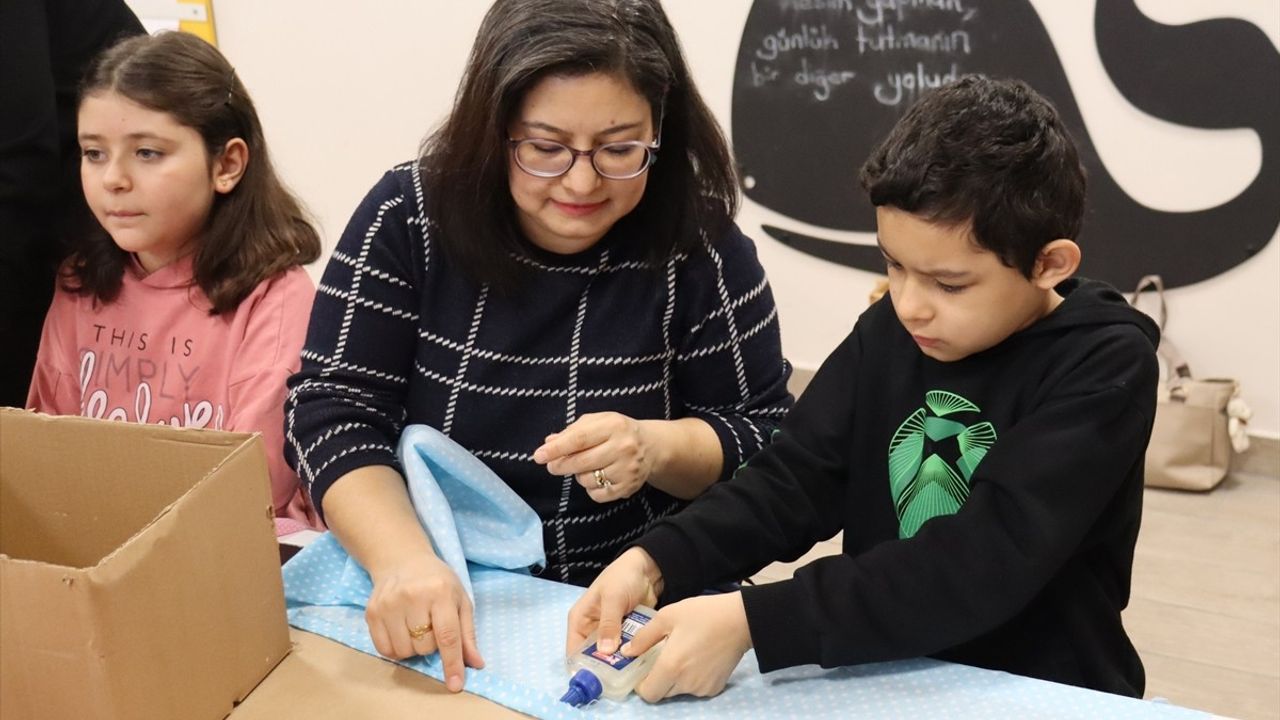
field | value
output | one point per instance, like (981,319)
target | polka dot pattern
(520,623)
(468,511)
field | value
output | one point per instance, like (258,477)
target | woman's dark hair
(253,232)
(993,152)
(692,188)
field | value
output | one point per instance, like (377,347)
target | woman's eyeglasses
(615,160)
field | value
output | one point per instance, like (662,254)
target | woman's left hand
(611,455)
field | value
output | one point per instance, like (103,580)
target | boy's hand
(633,579)
(706,637)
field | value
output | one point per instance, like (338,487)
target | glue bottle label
(631,625)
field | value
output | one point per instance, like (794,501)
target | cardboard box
(139,574)
(324,680)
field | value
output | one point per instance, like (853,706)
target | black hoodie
(989,505)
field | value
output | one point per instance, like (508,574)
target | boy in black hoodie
(979,438)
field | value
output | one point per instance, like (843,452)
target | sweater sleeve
(345,407)
(729,368)
(267,355)
(1034,498)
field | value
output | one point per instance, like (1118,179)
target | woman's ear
(229,165)
(1058,260)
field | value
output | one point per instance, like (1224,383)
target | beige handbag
(1199,423)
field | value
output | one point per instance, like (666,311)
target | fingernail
(626,649)
(540,456)
(454,683)
(607,646)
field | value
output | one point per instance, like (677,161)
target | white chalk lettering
(822,80)
(762,75)
(889,39)
(808,37)
(846,5)
(901,86)
(875,12)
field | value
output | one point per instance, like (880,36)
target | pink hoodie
(156,355)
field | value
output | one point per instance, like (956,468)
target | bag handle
(1177,369)
(1155,282)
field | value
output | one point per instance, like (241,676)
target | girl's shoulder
(287,285)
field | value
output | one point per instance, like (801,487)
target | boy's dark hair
(692,188)
(255,231)
(989,151)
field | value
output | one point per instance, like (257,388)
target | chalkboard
(818,82)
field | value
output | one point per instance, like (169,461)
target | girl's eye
(149,154)
(952,289)
(91,154)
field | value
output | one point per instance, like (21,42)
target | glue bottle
(612,675)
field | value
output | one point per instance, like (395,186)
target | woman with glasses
(557,285)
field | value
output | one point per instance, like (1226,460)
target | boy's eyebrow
(535,125)
(941,273)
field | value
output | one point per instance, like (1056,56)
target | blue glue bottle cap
(584,688)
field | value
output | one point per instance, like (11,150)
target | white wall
(346,90)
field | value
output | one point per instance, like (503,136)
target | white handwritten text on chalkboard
(901,86)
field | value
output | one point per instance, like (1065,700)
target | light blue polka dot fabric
(470,514)
(520,625)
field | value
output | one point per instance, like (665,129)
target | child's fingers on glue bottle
(652,633)
(584,616)
(614,605)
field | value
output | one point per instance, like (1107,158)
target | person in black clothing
(978,438)
(45,46)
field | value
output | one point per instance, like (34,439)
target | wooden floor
(1205,612)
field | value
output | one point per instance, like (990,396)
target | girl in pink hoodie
(187,304)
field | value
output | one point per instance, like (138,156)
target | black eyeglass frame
(651,156)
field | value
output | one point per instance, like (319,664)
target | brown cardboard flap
(324,680)
(139,577)
(88,485)
(58,637)
(202,582)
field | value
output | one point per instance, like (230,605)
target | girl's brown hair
(255,231)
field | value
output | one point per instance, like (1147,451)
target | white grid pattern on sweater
(362,269)
(456,385)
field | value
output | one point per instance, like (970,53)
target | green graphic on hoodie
(932,457)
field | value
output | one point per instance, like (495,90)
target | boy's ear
(229,165)
(1058,260)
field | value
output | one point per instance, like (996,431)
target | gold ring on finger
(419,632)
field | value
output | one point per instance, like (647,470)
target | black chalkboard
(818,82)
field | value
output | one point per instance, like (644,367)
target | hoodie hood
(1089,302)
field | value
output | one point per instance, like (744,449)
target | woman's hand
(611,455)
(633,579)
(419,607)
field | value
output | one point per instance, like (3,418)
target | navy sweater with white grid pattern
(399,336)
